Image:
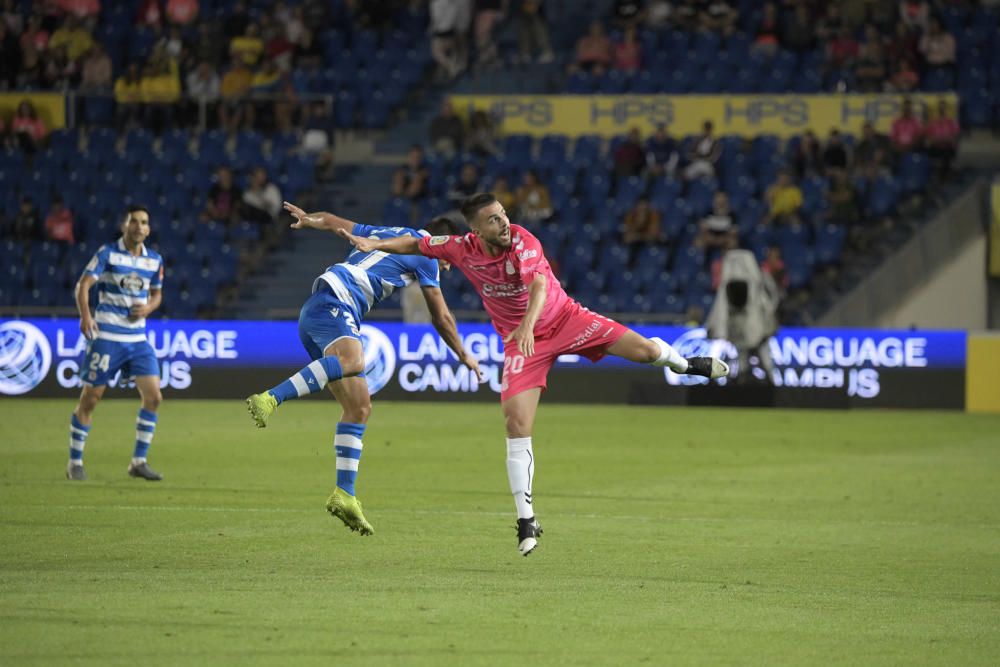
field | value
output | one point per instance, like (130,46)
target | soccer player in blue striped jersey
(329,327)
(129,278)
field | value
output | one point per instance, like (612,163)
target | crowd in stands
(158,63)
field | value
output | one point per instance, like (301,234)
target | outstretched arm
(400,245)
(321,220)
(444,322)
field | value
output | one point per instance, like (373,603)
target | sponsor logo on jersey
(527,254)
(510,268)
(504,289)
(131,283)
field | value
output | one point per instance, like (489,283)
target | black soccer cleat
(143,471)
(528,531)
(708,367)
(76,473)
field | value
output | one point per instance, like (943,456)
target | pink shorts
(576,331)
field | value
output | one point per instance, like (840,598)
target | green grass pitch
(672,536)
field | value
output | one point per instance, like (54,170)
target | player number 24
(100,361)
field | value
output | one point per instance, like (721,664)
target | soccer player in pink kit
(538,322)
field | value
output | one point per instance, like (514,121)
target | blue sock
(77,440)
(309,380)
(145,426)
(347,444)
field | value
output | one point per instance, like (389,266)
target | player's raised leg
(658,352)
(352,394)
(79,429)
(519,414)
(145,427)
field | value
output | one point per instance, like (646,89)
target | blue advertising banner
(45,357)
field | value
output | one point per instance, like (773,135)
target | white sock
(136,460)
(670,357)
(520,472)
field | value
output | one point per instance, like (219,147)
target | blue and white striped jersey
(366,278)
(123,281)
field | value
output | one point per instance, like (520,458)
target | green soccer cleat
(260,407)
(347,508)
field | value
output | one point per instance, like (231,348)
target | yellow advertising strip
(982,373)
(746,115)
(51,107)
(994,236)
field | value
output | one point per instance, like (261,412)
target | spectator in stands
(59,222)
(784,199)
(161,91)
(294,22)
(901,46)
(831,24)
(594,48)
(870,67)
(128,98)
(58,71)
(248,47)
(33,43)
(835,156)
(703,155)
(843,198)
(534,205)
(628,52)
(209,46)
(26,225)
(718,16)
(942,140)
(235,110)
(907,130)
(27,129)
(717,230)
(799,33)
(841,51)
(203,90)
(182,12)
(642,226)
(318,137)
(488,15)
(914,14)
(10,58)
(149,14)
(261,199)
(96,71)
(629,157)
(872,148)
(447,132)
(937,47)
(686,14)
(266,88)
(410,180)
(11,17)
(224,197)
(481,139)
(533,33)
(768,31)
(444,25)
(662,153)
(808,159)
(501,190)
(905,77)
(774,266)
(466,186)
(74,37)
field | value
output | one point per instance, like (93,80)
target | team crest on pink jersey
(439,240)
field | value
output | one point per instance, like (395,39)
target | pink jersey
(503,281)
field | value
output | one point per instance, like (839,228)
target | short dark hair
(442,226)
(134,208)
(472,204)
